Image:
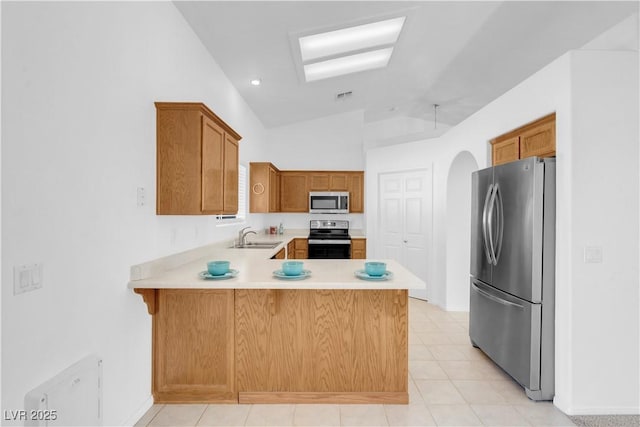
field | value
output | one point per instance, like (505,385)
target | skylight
(349,50)
(347,64)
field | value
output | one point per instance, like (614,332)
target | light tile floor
(450,384)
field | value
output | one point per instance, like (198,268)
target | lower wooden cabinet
(537,138)
(301,248)
(358,248)
(281,254)
(298,248)
(193,360)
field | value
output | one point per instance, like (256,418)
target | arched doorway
(459,231)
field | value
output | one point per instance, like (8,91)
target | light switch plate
(593,254)
(27,277)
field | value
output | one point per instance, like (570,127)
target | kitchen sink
(258,245)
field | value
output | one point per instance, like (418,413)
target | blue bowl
(218,268)
(292,268)
(375,268)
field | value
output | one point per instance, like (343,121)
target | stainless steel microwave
(331,202)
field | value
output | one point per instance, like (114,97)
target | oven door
(329,249)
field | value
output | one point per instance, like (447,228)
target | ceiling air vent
(343,96)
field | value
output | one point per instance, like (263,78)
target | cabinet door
(318,181)
(213,141)
(178,157)
(294,196)
(338,182)
(505,151)
(301,248)
(193,346)
(291,250)
(356,192)
(274,190)
(230,193)
(258,187)
(280,255)
(539,141)
(358,249)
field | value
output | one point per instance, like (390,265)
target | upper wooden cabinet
(264,188)
(318,181)
(355,186)
(273,190)
(197,161)
(537,138)
(294,192)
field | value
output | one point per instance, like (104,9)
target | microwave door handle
(485,237)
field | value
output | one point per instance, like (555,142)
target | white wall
(458,256)
(332,143)
(78,137)
(604,202)
(595,97)
(328,143)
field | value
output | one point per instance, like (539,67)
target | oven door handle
(329,242)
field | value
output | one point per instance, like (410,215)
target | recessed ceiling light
(347,64)
(350,39)
(256,82)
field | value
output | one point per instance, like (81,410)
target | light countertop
(255,270)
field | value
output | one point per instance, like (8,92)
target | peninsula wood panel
(193,346)
(310,342)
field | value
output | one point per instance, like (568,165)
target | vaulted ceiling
(458,55)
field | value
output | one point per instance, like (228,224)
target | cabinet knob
(405,241)
(257,188)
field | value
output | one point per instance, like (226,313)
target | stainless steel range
(329,239)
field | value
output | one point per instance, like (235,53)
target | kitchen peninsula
(330,338)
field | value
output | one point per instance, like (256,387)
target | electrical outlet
(27,277)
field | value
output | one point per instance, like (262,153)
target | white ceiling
(459,55)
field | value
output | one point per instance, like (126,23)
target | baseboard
(604,410)
(140,412)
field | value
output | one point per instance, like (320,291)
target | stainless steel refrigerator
(511,316)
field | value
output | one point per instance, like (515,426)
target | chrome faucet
(242,236)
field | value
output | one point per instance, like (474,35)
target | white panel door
(406,222)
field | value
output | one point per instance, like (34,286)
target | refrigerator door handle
(492,204)
(500,223)
(485,237)
(495,298)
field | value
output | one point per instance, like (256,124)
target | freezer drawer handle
(495,298)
